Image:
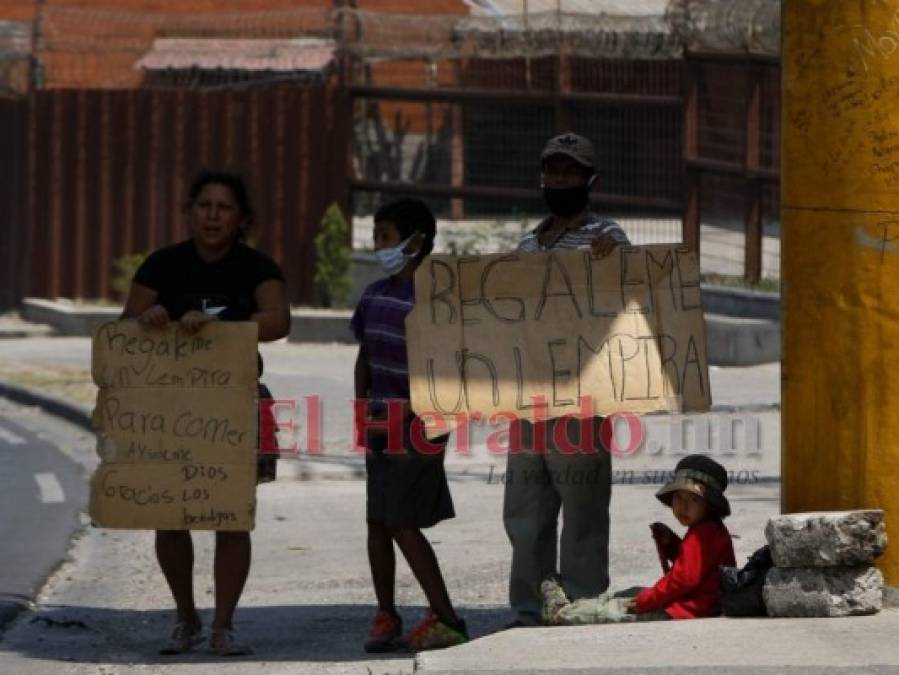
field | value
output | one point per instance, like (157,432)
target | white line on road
(10,437)
(51,490)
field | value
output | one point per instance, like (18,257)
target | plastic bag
(741,588)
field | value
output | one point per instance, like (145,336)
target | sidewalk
(850,646)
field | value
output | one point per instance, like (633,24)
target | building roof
(15,39)
(280,55)
(15,58)
(612,7)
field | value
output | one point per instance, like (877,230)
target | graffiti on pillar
(883,43)
(885,237)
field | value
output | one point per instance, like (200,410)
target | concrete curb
(740,341)
(742,302)
(67,318)
(75,413)
(321,325)
(17,334)
(10,607)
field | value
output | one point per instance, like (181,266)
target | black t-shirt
(184,281)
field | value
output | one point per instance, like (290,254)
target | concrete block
(364,269)
(737,341)
(823,591)
(826,538)
(68,318)
(320,325)
(740,302)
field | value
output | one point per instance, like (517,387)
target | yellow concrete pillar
(840,248)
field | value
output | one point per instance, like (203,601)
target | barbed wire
(740,26)
(74,42)
(710,25)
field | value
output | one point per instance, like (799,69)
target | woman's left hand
(193,320)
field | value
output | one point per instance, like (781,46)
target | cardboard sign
(176,427)
(562,331)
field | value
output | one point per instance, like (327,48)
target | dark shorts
(408,489)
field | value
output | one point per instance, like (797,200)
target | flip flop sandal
(222,643)
(185,636)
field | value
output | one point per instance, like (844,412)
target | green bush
(332,267)
(123,271)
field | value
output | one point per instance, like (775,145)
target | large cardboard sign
(176,427)
(561,331)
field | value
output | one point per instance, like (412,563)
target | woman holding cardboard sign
(212,276)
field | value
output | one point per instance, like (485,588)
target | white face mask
(393,259)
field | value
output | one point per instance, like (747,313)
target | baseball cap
(571,145)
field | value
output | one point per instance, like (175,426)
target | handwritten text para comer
(183,425)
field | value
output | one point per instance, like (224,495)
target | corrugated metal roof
(302,54)
(612,7)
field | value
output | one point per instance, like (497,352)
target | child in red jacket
(690,589)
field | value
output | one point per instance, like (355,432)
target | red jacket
(691,589)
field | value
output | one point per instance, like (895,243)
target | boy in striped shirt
(406,489)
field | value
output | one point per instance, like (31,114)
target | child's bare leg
(423,563)
(382,560)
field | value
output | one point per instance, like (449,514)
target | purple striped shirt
(379,324)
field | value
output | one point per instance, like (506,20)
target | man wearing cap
(541,483)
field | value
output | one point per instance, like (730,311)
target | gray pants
(537,486)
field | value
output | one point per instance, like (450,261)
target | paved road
(42,493)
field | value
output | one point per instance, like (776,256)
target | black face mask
(566,202)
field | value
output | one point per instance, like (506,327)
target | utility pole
(840,260)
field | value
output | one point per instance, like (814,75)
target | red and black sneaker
(432,632)
(385,630)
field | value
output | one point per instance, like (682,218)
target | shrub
(332,267)
(124,268)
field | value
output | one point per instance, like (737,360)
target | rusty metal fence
(732,160)
(91,176)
